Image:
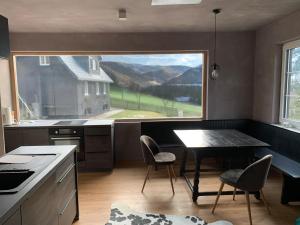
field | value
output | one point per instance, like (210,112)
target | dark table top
(217,139)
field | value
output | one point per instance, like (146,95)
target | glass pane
(123,86)
(292,88)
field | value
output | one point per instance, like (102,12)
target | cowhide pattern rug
(122,215)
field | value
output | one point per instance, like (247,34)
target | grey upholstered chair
(251,179)
(153,157)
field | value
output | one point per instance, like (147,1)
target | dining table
(214,143)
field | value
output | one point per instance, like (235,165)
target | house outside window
(128,86)
(44,60)
(86,88)
(97,89)
(290,85)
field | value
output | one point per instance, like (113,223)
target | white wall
(267,76)
(5,95)
(1,133)
(5,88)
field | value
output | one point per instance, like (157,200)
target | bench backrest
(162,131)
(283,141)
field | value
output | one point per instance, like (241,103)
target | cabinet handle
(66,138)
(66,173)
(69,200)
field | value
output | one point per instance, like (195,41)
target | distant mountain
(193,76)
(136,75)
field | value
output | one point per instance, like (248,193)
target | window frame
(205,70)
(43,60)
(86,88)
(92,64)
(98,89)
(104,90)
(282,119)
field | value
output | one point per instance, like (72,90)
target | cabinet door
(97,144)
(15,219)
(35,136)
(16,137)
(13,139)
(41,207)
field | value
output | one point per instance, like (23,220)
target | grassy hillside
(142,102)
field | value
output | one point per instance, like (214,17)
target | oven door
(70,141)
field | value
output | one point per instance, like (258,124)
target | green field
(147,106)
(136,114)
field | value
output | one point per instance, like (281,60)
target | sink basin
(13,180)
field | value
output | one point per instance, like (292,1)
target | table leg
(196,177)
(183,162)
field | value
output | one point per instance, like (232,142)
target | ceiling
(73,16)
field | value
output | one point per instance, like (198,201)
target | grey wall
(235,55)
(269,40)
(228,97)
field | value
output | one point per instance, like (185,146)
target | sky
(185,59)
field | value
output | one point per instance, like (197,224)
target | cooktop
(70,122)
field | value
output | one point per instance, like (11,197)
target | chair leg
(265,201)
(147,176)
(248,204)
(168,168)
(173,172)
(234,192)
(218,196)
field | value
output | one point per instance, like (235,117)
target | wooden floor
(97,191)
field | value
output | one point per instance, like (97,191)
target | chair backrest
(255,176)
(149,149)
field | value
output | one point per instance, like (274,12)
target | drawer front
(65,187)
(97,143)
(97,131)
(67,214)
(99,160)
(63,168)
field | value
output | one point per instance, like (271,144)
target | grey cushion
(164,158)
(231,176)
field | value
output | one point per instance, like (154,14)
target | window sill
(287,128)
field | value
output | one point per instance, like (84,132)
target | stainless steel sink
(13,180)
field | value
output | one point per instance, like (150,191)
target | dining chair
(154,157)
(251,179)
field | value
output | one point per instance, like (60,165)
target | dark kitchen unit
(48,195)
(94,140)
(68,136)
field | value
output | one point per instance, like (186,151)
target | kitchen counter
(51,123)
(47,159)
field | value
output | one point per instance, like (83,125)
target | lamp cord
(215,47)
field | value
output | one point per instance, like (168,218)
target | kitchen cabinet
(4,38)
(40,207)
(16,137)
(15,219)
(98,148)
(55,202)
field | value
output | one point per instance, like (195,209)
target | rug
(122,215)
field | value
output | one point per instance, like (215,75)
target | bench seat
(280,162)
(291,174)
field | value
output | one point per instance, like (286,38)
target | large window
(290,100)
(110,86)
